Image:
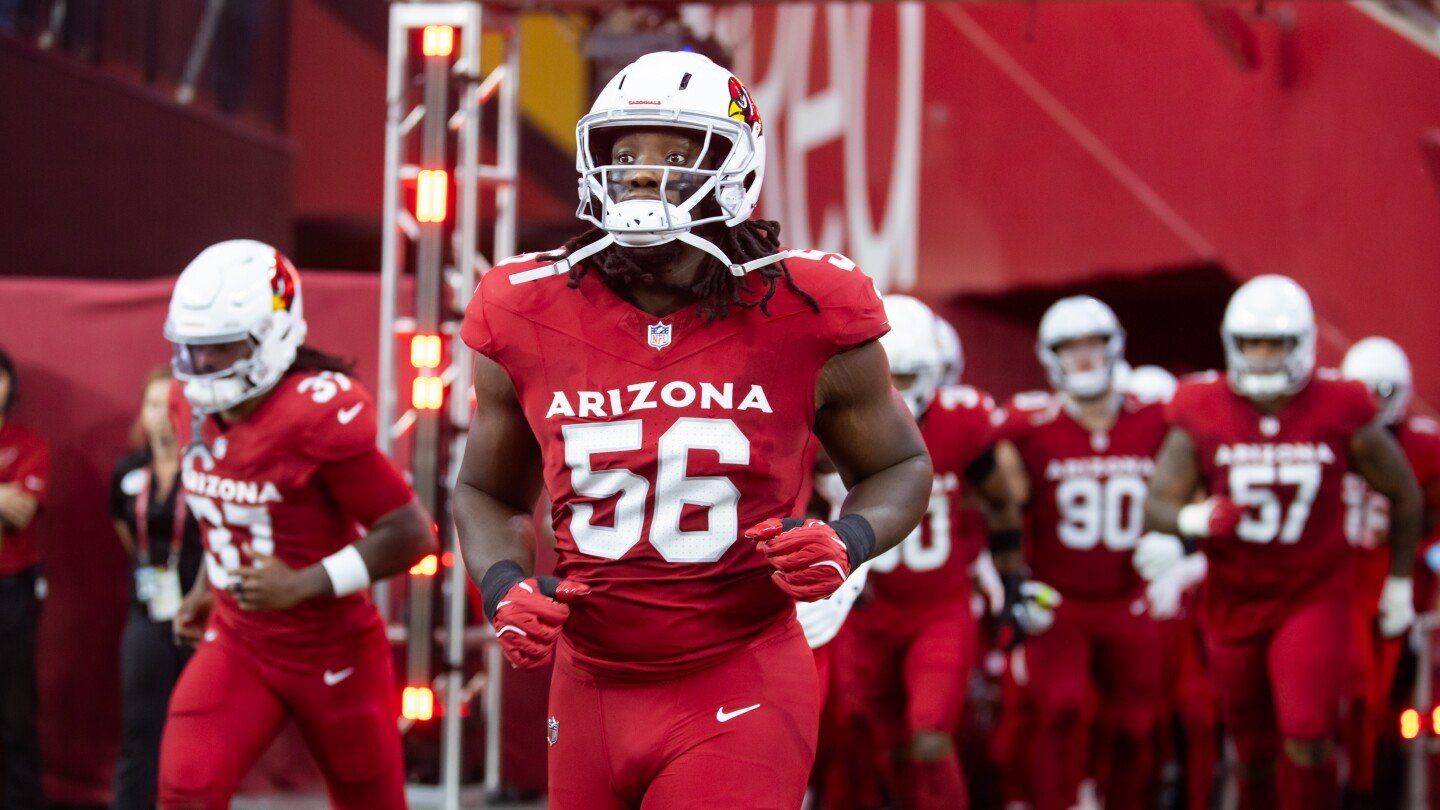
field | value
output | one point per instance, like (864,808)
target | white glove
(1157,553)
(1035,612)
(1166,591)
(1397,606)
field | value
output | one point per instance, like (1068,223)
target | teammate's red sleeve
(475,330)
(340,437)
(961,419)
(1359,404)
(366,487)
(32,468)
(850,307)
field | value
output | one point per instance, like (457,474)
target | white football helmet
(1077,317)
(1269,306)
(672,89)
(1382,365)
(914,347)
(1151,384)
(233,291)
(952,351)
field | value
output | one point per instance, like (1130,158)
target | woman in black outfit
(164,545)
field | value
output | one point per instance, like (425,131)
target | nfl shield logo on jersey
(552,730)
(659,335)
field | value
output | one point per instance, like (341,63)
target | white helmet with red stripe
(239,290)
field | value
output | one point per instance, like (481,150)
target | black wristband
(498,580)
(857,535)
(1190,544)
(1006,541)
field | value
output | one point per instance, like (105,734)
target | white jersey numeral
(914,552)
(1251,486)
(217,517)
(673,489)
(1092,511)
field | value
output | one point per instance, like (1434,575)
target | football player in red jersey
(661,377)
(281,471)
(1270,444)
(1383,367)
(906,652)
(1080,458)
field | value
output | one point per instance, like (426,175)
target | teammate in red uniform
(281,469)
(1270,444)
(906,652)
(1080,459)
(24,482)
(1383,367)
(660,377)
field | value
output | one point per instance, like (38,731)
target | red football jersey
(296,479)
(1287,471)
(663,439)
(24,462)
(931,565)
(1087,492)
(1367,513)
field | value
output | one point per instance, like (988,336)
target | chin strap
(735,269)
(563,266)
(197,446)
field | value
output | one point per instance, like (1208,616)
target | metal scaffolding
(433,133)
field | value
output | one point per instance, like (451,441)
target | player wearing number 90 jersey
(282,473)
(1270,444)
(1081,458)
(664,395)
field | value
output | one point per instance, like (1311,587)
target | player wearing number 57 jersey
(1270,444)
(660,378)
(280,471)
(1081,458)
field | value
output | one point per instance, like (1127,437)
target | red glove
(529,614)
(1216,516)
(810,558)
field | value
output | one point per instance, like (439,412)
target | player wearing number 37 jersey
(660,377)
(1269,445)
(280,469)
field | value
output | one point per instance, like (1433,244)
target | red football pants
(911,674)
(738,733)
(1371,676)
(1110,647)
(1187,694)
(1285,685)
(233,699)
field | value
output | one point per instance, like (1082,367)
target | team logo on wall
(552,731)
(659,335)
(742,105)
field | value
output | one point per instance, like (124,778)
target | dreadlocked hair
(716,289)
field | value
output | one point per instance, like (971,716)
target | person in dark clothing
(24,470)
(164,545)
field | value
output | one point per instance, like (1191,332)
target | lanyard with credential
(142,524)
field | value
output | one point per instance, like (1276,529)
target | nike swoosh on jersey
(724,716)
(332,678)
(347,414)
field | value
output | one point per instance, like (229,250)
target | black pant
(19,696)
(150,663)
